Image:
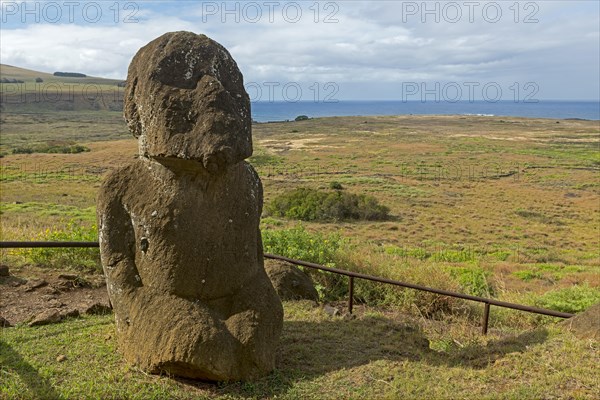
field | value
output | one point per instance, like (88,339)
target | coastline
(281,111)
(434,116)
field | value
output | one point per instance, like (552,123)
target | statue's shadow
(312,349)
(12,363)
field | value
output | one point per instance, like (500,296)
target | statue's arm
(117,239)
(258,190)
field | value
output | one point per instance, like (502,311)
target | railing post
(486,317)
(350,294)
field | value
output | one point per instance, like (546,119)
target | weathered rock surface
(585,325)
(290,282)
(50,316)
(185,98)
(179,227)
(35,284)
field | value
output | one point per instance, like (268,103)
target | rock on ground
(585,325)
(290,282)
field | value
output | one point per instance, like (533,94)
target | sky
(342,50)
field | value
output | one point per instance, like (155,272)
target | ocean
(265,111)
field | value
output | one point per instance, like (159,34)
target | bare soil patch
(38,296)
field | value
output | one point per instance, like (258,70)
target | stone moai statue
(179,227)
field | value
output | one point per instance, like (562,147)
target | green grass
(39,130)
(73,230)
(375,355)
(38,209)
(586,153)
(261,158)
(554,272)
(528,275)
(505,207)
(417,253)
(474,281)
(300,244)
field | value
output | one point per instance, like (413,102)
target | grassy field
(375,355)
(496,206)
(56,93)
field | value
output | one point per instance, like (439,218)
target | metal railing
(351,275)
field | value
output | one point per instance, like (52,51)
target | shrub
(411,301)
(454,256)
(317,248)
(51,148)
(11,80)
(66,257)
(537,216)
(22,150)
(299,244)
(571,299)
(473,281)
(301,118)
(527,275)
(334,251)
(335,185)
(313,205)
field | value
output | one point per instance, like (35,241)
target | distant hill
(45,92)
(29,75)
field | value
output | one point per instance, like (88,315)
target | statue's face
(185,98)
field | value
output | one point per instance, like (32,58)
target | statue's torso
(196,234)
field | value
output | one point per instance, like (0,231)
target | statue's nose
(218,161)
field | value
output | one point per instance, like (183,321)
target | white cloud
(93,49)
(373,42)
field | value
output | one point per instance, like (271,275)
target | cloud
(376,43)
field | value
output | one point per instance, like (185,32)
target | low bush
(51,148)
(302,245)
(527,275)
(417,302)
(335,185)
(334,251)
(86,258)
(572,299)
(453,256)
(474,281)
(317,248)
(307,204)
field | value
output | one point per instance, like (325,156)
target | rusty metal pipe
(350,293)
(351,274)
(425,288)
(486,318)
(16,245)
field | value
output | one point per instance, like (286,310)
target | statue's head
(185,98)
